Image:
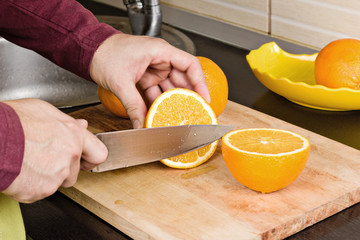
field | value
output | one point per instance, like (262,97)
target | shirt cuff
(12,146)
(89,45)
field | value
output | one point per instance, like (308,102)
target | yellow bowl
(292,76)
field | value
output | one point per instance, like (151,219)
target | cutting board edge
(313,217)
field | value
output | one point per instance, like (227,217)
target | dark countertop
(58,217)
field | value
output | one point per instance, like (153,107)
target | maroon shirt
(11,145)
(62,31)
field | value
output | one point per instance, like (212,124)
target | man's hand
(137,69)
(56,148)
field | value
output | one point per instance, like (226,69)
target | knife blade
(138,146)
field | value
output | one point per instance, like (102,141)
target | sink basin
(168,33)
(26,74)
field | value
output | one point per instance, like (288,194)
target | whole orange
(111,102)
(217,84)
(338,64)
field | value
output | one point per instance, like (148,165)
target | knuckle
(67,184)
(64,173)
(131,108)
(49,190)
(72,152)
(70,180)
(72,124)
(76,155)
(161,41)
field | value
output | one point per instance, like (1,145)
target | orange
(217,84)
(111,102)
(180,106)
(264,159)
(338,64)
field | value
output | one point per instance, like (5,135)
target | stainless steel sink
(168,33)
(25,74)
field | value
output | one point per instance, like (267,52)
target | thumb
(134,105)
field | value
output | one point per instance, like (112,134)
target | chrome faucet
(145,17)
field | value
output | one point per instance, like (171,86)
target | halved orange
(263,159)
(180,106)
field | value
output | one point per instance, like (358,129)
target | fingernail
(136,124)
(209,99)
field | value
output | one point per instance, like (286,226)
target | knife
(138,146)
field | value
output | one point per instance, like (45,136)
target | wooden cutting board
(153,201)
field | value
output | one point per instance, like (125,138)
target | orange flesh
(180,106)
(265,142)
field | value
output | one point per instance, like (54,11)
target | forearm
(61,30)
(12,144)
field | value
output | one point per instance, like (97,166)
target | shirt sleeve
(63,31)
(12,146)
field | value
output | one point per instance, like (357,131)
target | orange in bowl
(263,159)
(338,64)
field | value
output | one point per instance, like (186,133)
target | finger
(133,103)
(166,85)
(94,151)
(189,64)
(74,165)
(152,93)
(74,169)
(152,77)
(180,79)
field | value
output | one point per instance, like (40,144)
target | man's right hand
(57,146)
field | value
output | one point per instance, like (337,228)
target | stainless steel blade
(133,147)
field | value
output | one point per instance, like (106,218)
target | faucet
(145,17)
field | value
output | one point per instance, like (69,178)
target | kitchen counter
(58,217)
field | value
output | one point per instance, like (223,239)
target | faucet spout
(145,17)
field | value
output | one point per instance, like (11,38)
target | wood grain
(153,201)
